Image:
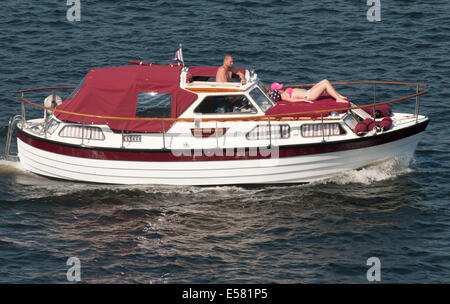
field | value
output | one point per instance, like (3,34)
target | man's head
(228,61)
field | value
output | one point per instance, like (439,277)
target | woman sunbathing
(301,95)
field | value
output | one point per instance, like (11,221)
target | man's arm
(239,73)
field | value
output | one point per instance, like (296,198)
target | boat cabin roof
(139,91)
(168,91)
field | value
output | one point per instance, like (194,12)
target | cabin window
(156,105)
(52,126)
(262,132)
(263,102)
(236,104)
(315,130)
(350,121)
(86,132)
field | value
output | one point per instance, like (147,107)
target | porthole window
(86,132)
(261,132)
(315,130)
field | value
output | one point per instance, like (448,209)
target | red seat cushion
(324,102)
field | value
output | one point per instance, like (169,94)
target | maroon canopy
(114,92)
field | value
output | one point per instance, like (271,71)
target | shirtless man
(226,71)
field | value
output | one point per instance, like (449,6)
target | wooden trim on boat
(214,90)
(46,89)
(362,82)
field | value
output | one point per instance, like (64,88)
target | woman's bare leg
(323,86)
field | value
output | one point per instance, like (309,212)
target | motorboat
(145,123)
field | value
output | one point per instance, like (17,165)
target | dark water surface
(317,233)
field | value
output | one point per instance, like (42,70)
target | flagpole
(181,54)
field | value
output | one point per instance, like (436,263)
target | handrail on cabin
(246,118)
(44,89)
(364,82)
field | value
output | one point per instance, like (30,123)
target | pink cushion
(361,128)
(385,124)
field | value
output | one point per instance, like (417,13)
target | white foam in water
(11,167)
(380,171)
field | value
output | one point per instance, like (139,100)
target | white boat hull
(296,169)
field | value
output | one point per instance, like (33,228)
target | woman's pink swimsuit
(290,91)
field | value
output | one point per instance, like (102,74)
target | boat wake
(381,171)
(8,167)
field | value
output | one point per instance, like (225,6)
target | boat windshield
(263,87)
(261,99)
